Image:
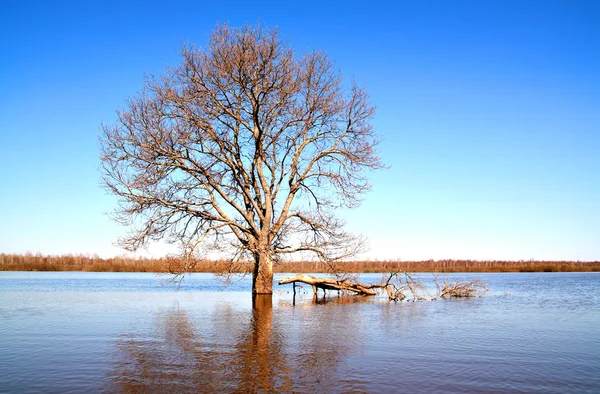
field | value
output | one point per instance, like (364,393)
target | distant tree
(243,148)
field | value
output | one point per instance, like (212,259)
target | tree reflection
(261,354)
(233,350)
(178,358)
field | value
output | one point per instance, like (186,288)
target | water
(80,332)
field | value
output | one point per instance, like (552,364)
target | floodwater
(108,332)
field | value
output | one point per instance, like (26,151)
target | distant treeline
(31,262)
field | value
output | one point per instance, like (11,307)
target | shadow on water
(229,351)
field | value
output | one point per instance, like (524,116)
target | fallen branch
(331,284)
(398,286)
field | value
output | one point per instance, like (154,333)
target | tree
(244,148)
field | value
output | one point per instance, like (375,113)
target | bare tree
(244,148)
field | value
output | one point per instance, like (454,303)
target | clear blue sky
(489,110)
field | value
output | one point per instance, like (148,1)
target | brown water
(79,332)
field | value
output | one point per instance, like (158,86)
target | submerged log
(332,284)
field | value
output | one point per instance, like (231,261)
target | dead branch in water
(398,286)
(401,286)
(330,284)
(460,289)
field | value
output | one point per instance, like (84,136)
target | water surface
(75,332)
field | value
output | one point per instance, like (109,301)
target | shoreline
(29,262)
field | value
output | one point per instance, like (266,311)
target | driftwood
(398,286)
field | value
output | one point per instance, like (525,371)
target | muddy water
(76,332)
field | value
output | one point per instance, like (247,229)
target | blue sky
(489,111)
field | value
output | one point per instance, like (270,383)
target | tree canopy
(245,148)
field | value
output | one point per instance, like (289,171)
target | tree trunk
(262,276)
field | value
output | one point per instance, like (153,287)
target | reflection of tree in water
(180,359)
(262,364)
(239,352)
